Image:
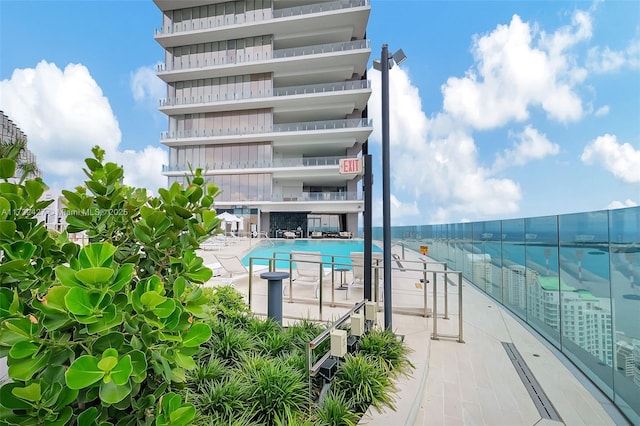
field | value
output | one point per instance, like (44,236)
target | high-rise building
(10,132)
(266,96)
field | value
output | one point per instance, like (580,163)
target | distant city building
(586,319)
(481,270)
(516,279)
(53,216)
(11,132)
(266,97)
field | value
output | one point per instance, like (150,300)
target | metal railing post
(320,291)
(424,291)
(333,279)
(460,339)
(290,277)
(434,311)
(446,296)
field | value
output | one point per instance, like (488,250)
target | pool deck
(470,383)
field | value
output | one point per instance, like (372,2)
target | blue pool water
(340,249)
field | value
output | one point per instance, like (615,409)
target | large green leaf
(201,275)
(23,349)
(164,309)
(5,208)
(138,365)
(123,277)
(53,301)
(113,340)
(29,393)
(7,227)
(88,416)
(34,189)
(67,276)
(93,276)
(9,400)
(111,393)
(152,299)
(79,302)
(24,369)
(96,254)
(122,371)
(184,361)
(7,168)
(183,415)
(83,372)
(197,335)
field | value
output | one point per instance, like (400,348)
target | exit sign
(351,166)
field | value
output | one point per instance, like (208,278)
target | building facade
(266,96)
(11,132)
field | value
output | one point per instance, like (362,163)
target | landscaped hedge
(120,332)
(254,372)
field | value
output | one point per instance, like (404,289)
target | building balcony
(316,196)
(351,94)
(330,133)
(346,18)
(259,164)
(308,62)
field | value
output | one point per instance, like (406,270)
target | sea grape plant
(102,334)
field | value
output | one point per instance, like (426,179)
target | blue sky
(503,108)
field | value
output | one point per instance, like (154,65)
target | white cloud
(622,160)
(621,204)
(401,213)
(513,74)
(605,60)
(529,145)
(146,87)
(142,168)
(602,111)
(64,113)
(435,160)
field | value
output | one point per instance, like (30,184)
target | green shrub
(362,381)
(228,343)
(386,348)
(278,391)
(335,410)
(102,334)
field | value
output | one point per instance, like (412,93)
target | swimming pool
(341,249)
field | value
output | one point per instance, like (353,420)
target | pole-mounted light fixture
(398,57)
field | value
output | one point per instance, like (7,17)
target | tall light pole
(384,65)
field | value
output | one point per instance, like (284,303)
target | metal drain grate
(542,403)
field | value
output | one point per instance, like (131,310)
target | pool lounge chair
(289,234)
(307,270)
(235,269)
(357,260)
(316,234)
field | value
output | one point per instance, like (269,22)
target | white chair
(357,261)
(236,269)
(307,267)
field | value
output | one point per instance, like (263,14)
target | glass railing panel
(586,314)
(488,269)
(624,249)
(541,242)
(575,276)
(317,196)
(515,277)
(318,8)
(282,91)
(255,15)
(467,247)
(255,164)
(192,63)
(288,127)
